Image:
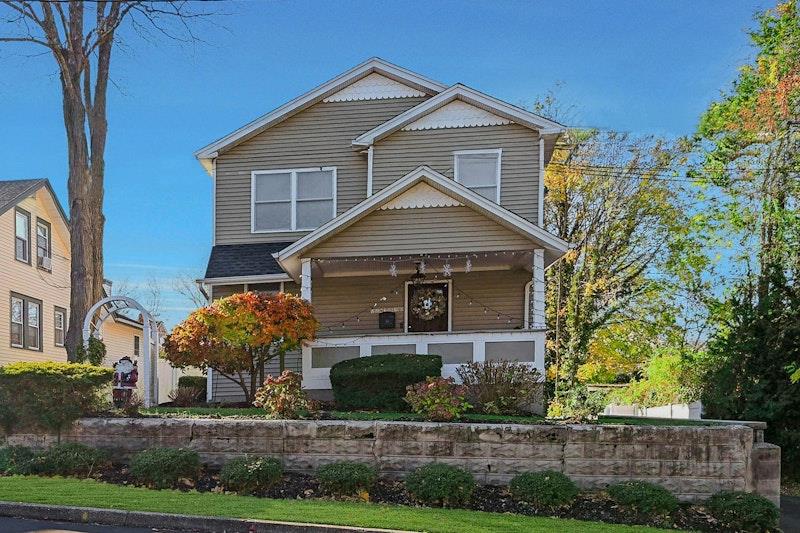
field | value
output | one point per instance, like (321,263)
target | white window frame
(63,313)
(19,212)
(292,197)
(46,264)
(137,345)
(449,283)
(495,151)
(38,326)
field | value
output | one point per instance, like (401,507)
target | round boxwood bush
(544,489)
(164,467)
(69,459)
(246,475)
(644,497)
(16,460)
(441,484)
(379,381)
(346,478)
(744,511)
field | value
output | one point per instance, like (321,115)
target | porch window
(43,245)
(293,199)
(22,236)
(480,171)
(26,322)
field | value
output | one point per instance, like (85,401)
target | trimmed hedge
(196,382)
(246,475)
(441,484)
(50,395)
(346,478)
(163,468)
(70,459)
(644,497)
(547,489)
(379,381)
(744,511)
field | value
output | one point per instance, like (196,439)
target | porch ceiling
(405,265)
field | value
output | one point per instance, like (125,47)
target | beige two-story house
(408,212)
(35,283)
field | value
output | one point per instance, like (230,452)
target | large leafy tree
(748,141)
(236,336)
(81,36)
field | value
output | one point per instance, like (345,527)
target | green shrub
(50,395)
(94,355)
(576,404)
(283,397)
(164,467)
(196,382)
(544,489)
(16,460)
(441,484)
(438,399)
(183,396)
(744,511)
(346,478)
(246,475)
(380,381)
(643,497)
(502,387)
(70,459)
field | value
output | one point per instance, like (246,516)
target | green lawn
(253,412)
(90,493)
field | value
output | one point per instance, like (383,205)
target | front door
(428,307)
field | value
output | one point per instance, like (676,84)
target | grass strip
(90,493)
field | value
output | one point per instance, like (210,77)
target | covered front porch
(463,306)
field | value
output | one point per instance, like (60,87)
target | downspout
(369,171)
(541,182)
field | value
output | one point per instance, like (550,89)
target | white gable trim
(315,95)
(470,96)
(288,257)
(419,196)
(456,114)
(374,87)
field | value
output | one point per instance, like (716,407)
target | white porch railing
(456,348)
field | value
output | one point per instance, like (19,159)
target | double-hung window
(480,171)
(43,245)
(59,325)
(26,322)
(22,236)
(293,199)
(137,341)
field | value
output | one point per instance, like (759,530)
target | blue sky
(643,67)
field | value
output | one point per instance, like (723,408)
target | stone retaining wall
(692,461)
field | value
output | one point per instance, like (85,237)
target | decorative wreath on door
(428,304)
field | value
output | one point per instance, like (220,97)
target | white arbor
(150,337)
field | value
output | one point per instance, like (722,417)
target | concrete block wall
(693,462)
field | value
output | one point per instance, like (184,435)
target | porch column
(538,291)
(305,278)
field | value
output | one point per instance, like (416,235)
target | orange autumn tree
(236,336)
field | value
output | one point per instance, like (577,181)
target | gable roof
(370,66)
(13,192)
(244,260)
(466,94)
(288,258)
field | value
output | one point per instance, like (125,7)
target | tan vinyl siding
(319,136)
(423,230)
(339,299)
(403,151)
(222,291)
(52,288)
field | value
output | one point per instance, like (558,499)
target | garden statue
(126,374)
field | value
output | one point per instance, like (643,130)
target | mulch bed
(594,506)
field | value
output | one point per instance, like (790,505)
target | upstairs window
(22,236)
(59,325)
(26,322)
(292,200)
(480,171)
(43,245)
(136,345)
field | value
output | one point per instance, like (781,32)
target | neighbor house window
(59,324)
(136,345)
(43,245)
(22,236)
(480,171)
(292,200)
(26,322)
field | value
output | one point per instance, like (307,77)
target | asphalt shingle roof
(11,192)
(230,260)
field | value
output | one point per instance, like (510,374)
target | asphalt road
(790,514)
(20,525)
